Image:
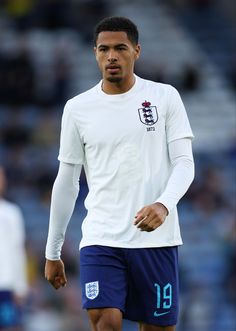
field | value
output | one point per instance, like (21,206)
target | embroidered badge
(92,290)
(148,114)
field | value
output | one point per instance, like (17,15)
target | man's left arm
(152,216)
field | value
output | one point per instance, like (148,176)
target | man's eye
(121,48)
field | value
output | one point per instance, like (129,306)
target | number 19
(164,296)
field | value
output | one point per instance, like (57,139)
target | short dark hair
(116,23)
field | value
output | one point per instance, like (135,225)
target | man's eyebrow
(121,45)
(101,45)
(116,45)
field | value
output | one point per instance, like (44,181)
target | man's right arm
(64,195)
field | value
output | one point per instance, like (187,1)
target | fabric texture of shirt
(122,141)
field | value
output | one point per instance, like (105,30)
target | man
(134,140)
(13,280)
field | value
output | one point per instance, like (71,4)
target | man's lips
(112,68)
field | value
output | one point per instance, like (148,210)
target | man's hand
(151,217)
(55,273)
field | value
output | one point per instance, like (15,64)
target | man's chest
(112,123)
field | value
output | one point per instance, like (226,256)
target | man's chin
(114,79)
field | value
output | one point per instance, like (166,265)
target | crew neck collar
(119,96)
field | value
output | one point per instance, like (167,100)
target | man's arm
(64,195)
(19,261)
(152,216)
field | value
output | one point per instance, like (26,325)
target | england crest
(148,114)
(92,290)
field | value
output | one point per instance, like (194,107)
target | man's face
(116,55)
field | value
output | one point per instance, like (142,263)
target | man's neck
(117,87)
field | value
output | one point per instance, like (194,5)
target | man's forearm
(64,195)
(182,173)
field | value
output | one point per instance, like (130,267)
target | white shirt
(12,250)
(122,141)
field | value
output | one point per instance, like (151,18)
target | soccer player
(13,280)
(134,140)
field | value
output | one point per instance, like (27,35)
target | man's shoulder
(157,85)
(86,97)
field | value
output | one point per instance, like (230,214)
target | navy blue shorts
(9,312)
(142,283)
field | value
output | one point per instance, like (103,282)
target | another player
(134,139)
(13,280)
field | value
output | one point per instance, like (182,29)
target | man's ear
(137,51)
(95,51)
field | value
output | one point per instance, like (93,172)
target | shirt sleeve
(177,123)
(71,145)
(181,157)
(64,194)
(20,283)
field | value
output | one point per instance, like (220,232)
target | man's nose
(112,56)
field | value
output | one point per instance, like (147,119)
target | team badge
(148,114)
(92,290)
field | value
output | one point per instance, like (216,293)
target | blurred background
(46,57)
